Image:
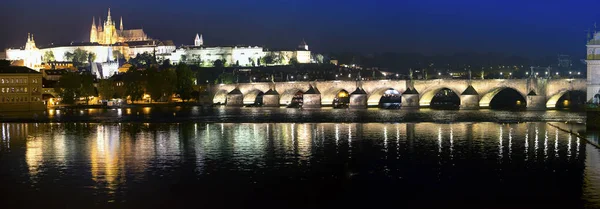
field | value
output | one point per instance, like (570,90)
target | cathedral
(107,32)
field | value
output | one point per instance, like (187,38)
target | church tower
(30,45)
(121,25)
(94,31)
(303,45)
(198,41)
(110,31)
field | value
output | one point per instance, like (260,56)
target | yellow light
(518,102)
(566,103)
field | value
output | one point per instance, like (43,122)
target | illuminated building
(20,89)
(107,32)
(233,55)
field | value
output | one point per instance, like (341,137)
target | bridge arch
(553,101)
(288,95)
(251,96)
(329,95)
(375,96)
(220,97)
(427,96)
(486,99)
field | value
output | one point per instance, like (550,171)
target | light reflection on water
(107,163)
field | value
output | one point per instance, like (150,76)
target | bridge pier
(536,102)
(410,99)
(469,102)
(235,98)
(271,98)
(469,99)
(358,99)
(311,98)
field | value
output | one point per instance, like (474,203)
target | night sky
(521,27)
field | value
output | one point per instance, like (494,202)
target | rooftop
(17,69)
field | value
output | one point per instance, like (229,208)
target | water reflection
(116,156)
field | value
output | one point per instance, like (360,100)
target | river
(282,158)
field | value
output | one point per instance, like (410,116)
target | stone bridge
(539,93)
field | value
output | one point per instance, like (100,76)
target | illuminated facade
(107,32)
(234,55)
(20,89)
(31,55)
(593,68)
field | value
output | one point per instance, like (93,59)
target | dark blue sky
(521,27)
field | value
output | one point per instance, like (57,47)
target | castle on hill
(107,33)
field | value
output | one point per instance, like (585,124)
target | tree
(48,56)
(106,89)
(133,81)
(166,64)
(294,61)
(185,81)
(118,56)
(4,63)
(91,57)
(154,84)
(79,57)
(143,60)
(319,58)
(219,63)
(169,82)
(87,87)
(268,59)
(225,78)
(68,87)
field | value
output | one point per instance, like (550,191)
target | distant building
(20,89)
(54,65)
(54,75)
(107,32)
(206,56)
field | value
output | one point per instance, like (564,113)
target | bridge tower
(593,66)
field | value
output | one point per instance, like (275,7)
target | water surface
(296,165)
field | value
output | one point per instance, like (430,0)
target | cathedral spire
(121,27)
(198,40)
(108,19)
